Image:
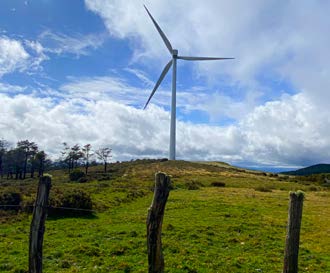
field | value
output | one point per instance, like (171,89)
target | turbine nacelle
(175,53)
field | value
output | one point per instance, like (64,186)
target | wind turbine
(175,56)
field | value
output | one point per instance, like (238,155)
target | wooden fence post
(37,228)
(154,223)
(293,232)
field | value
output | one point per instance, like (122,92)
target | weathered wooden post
(37,228)
(154,223)
(293,232)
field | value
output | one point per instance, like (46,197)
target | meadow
(217,219)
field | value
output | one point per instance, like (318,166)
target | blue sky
(81,72)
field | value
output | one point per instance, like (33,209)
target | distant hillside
(315,169)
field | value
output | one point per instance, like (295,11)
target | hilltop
(314,169)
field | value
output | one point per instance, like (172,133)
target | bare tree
(65,155)
(104,154)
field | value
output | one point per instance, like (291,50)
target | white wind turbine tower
(175,56)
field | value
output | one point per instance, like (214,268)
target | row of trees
(84,156)
(27,159)
(22,159)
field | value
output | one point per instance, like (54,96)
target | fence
(154,221)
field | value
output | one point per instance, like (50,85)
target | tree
(76,154)
(14,162)
(40,159)
(3,149)
(71,155)
(65,155)
(87,155)
(29,149)
(104,154)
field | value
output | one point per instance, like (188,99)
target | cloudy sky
(81,72)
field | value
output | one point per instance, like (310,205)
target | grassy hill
(239,227)
(315,169)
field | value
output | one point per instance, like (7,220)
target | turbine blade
(165,70)
(187,58)
(166,41)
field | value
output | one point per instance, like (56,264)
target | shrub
(10,200)
(104,177)
(27,205)
(193,185)
(313,188)
(135,194)
(76,199)
(263,189)
(82,179)
(218,184)
(76,174)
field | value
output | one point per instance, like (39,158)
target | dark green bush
(10,200)
(62,203)
(218,184)
(77,199)
(104,177)
(83,179)
(76,174)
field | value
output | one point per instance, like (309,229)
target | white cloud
(142,76)
(107,87)
(12,55)
(129,131)
(28,55)
(20,55)
(290,131)
(78,44)
(8,88)
(117,88)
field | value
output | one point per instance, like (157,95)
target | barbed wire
(48,207)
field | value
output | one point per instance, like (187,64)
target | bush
(263,189)
(193,185)
(218,184)
(83,179)
(10,200)
(104,177)
(76,199)
(76,174)
(313,188)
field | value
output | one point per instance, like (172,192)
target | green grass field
(237,228)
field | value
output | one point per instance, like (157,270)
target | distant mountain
(315,169)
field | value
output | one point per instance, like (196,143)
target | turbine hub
(175,53)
